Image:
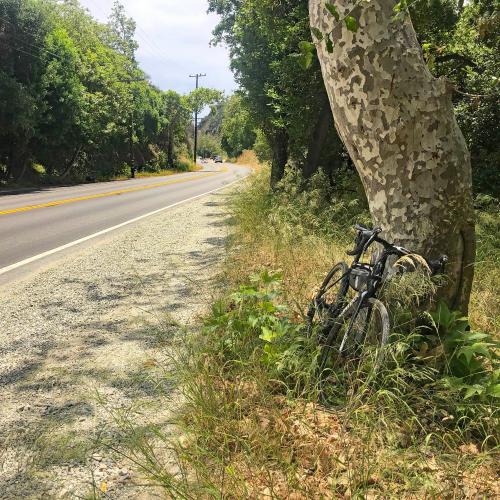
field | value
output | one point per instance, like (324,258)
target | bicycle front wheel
(330,298)
(357,332)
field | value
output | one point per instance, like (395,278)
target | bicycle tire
(345,320)
(322,307)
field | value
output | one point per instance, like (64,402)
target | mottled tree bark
(398,124)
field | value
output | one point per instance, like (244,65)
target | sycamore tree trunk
(397,122)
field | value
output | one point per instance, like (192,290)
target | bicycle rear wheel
(355,332)
(330,299)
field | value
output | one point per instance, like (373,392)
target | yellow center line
(103,195)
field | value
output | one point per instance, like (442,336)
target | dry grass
(305,257)
(160,173)
(249,159)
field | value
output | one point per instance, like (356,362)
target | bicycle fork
(360,299)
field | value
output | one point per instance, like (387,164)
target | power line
(18,36)
(25,52)
(154,49)
(98,7)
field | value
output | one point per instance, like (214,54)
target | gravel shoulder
(77,343)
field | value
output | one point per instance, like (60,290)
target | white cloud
(174,37)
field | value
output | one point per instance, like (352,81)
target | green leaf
(400,6)
(333,11)
(253,320)
(351,24)
(473,390)
(482,348)
(305,60)
(494,390)
(477,336)
(267,335)
(478,348)
(318,34)
(305,47)
(329,45)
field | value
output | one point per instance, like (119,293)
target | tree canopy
(74,100)
(285,98)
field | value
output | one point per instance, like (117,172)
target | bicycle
(352,323)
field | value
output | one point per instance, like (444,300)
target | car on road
(218,159)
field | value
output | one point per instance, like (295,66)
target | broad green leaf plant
(469,360)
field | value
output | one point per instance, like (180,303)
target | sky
(174,42)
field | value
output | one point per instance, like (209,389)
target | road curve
(42,222)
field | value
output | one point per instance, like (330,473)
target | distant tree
(177,115)
(122,31)
(203,97)
(209,145)
(237,128)
(261,147)
(288,102)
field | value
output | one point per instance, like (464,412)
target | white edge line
(108,230)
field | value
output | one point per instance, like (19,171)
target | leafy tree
(202,97)
(177,116)
(23,28)
(286,101)
(74,98)
(61,129)
(209,145)
(237,127)
(261,147)
(122,32)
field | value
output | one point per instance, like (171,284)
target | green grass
(38,177)
(258,421)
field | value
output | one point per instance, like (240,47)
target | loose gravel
(77,341)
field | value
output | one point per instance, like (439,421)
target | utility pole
(197,76)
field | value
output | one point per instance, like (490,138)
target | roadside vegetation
(257,420)
(76,106)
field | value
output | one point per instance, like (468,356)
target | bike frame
(374,280)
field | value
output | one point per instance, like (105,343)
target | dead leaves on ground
(300,450)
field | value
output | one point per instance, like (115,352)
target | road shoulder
(79,341)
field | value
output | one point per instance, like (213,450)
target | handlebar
(367,236)
(364,239)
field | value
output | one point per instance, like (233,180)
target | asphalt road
(37,225)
